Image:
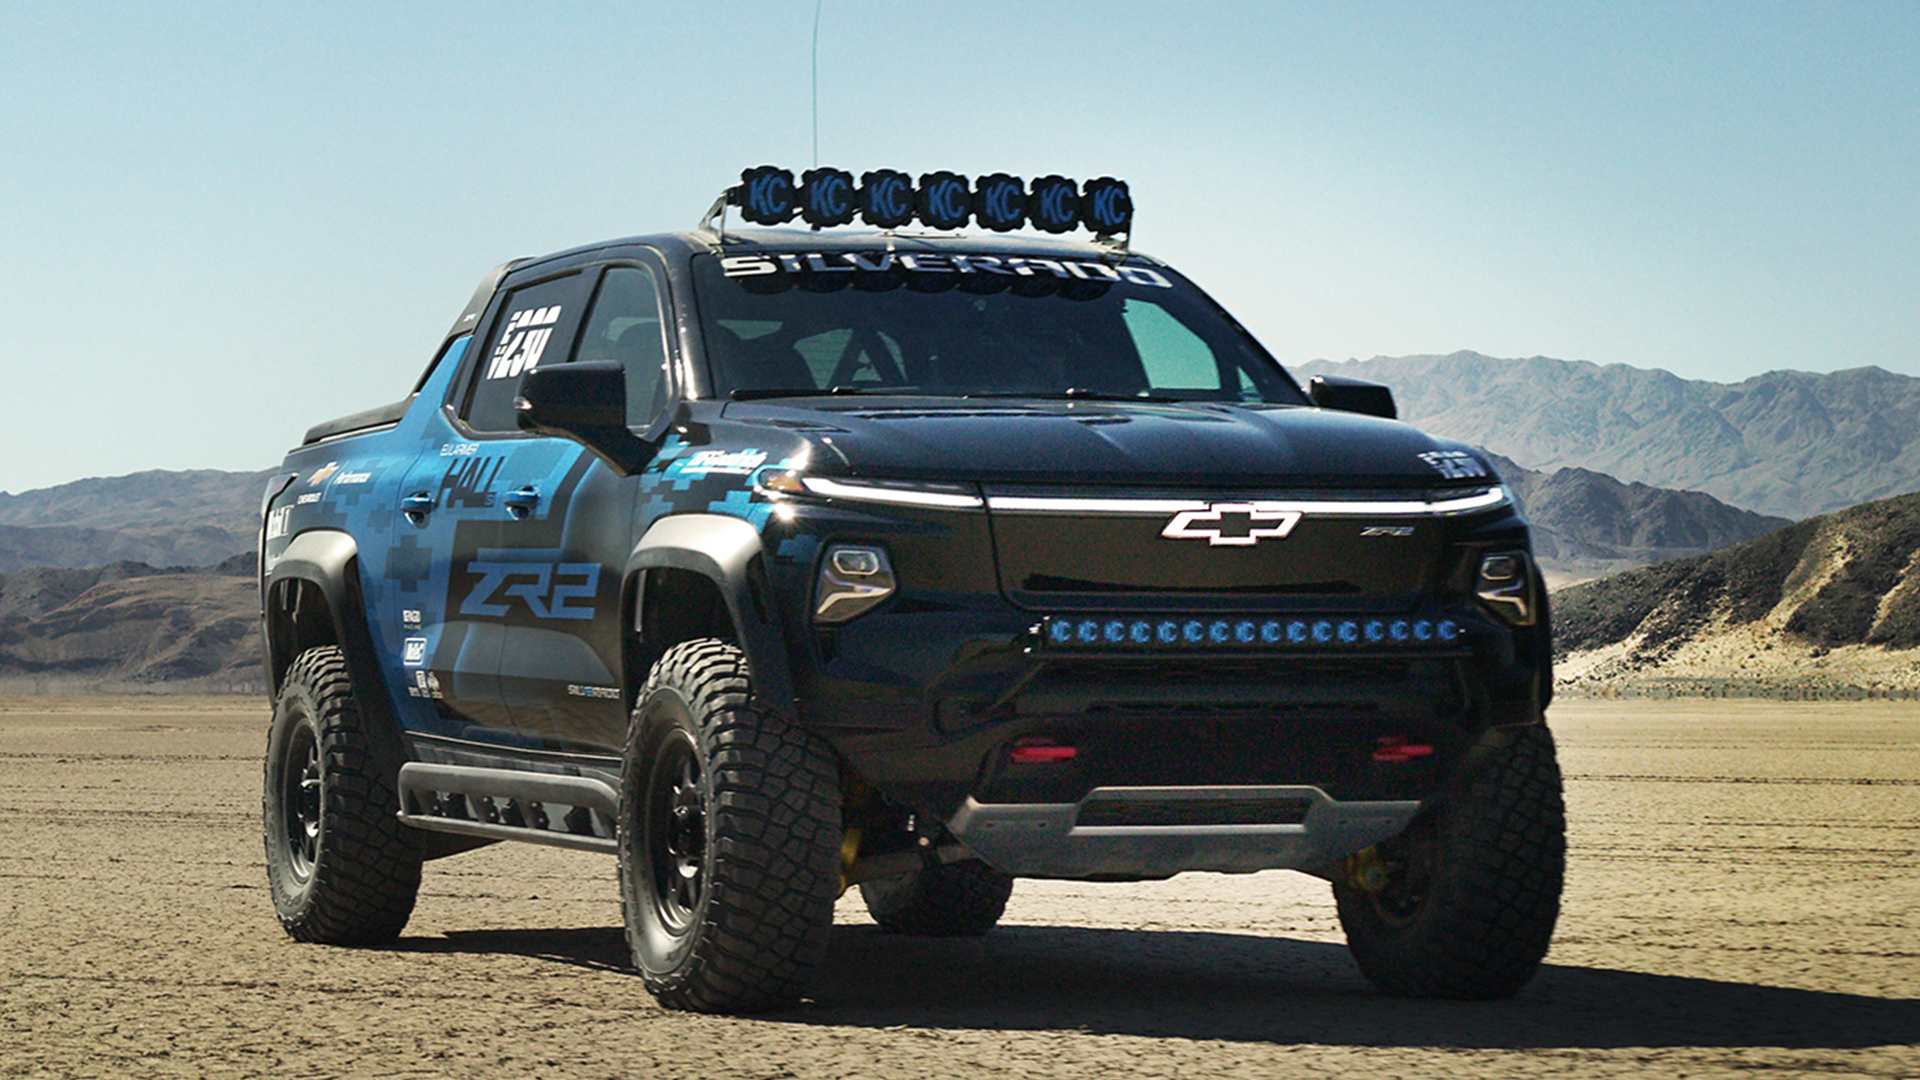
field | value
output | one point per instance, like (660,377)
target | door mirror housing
(585,402)
(1352,395)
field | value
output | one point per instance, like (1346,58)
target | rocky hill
(1588,525)
(1786,443)
(193,518)
(130,628)
(1831,601)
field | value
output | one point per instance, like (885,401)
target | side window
(536,323)
(626,325)
(1174,356)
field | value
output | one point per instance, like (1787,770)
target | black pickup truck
(776,561)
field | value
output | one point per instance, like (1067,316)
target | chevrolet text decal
(880,262)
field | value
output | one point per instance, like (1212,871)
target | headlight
(1505,585)
(853,579)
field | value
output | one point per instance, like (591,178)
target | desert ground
(1743,897)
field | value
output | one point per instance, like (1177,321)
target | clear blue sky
(225,222)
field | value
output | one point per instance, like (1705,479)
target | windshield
(966,325)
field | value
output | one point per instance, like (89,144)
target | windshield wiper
(841,390)
(1075,393)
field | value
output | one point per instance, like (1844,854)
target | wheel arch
(704,575)
(310,597)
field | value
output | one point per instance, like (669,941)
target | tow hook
(1365,871)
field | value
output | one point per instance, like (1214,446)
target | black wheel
(729,839)
(962,899)
(1462,904)
(341,867)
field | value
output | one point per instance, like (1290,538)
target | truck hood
(1187,444)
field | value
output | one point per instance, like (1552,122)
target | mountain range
(1786,443)
(194,518)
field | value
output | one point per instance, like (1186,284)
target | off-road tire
(961,899)
(729,838)
(340,866)
(1472,887)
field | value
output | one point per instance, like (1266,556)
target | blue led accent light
(766,195)
(826,197)
(886,198)
(945,200)
(1106,207)
(1000,202)
(1160,632)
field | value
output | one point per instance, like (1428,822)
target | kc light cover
(1106,207)
(826,197)
(999,202)
(1176,632)
(945,202)
(766,195)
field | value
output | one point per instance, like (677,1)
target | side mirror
(1352,395)
(585,402)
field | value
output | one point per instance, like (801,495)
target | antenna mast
(817,4)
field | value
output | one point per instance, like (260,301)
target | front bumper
(1132,833)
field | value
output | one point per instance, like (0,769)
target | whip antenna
(816,81)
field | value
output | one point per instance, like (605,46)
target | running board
(575,812)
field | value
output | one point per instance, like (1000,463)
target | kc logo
(1232,524)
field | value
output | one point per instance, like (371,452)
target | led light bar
(888,199)
(1163,632)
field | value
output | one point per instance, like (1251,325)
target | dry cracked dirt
(1743,897)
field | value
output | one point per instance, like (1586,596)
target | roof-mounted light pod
(1053,204)
(827,197)
(886,198)
(999,202)
(1106,207)
(945,201)
(766,195)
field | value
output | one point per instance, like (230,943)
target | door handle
(417,505)
(520,503)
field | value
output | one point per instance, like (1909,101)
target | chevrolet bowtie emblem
(1232,524)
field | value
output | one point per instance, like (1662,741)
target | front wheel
(341,867)
(729,838)
(1462,904)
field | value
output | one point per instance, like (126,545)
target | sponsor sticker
(522,342)
(320,474)
(533,580)
(730,463)
(278,522)
(353,478)
(308,499)
(459,449)
(414,652)
(410,618)
(879,262)
(605,693)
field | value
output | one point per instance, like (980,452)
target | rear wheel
(962,899)
(729,839)
(341,867)
(1462,904)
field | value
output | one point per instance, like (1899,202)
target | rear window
(972,325)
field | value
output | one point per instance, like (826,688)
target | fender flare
(325,559)
(726,551)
